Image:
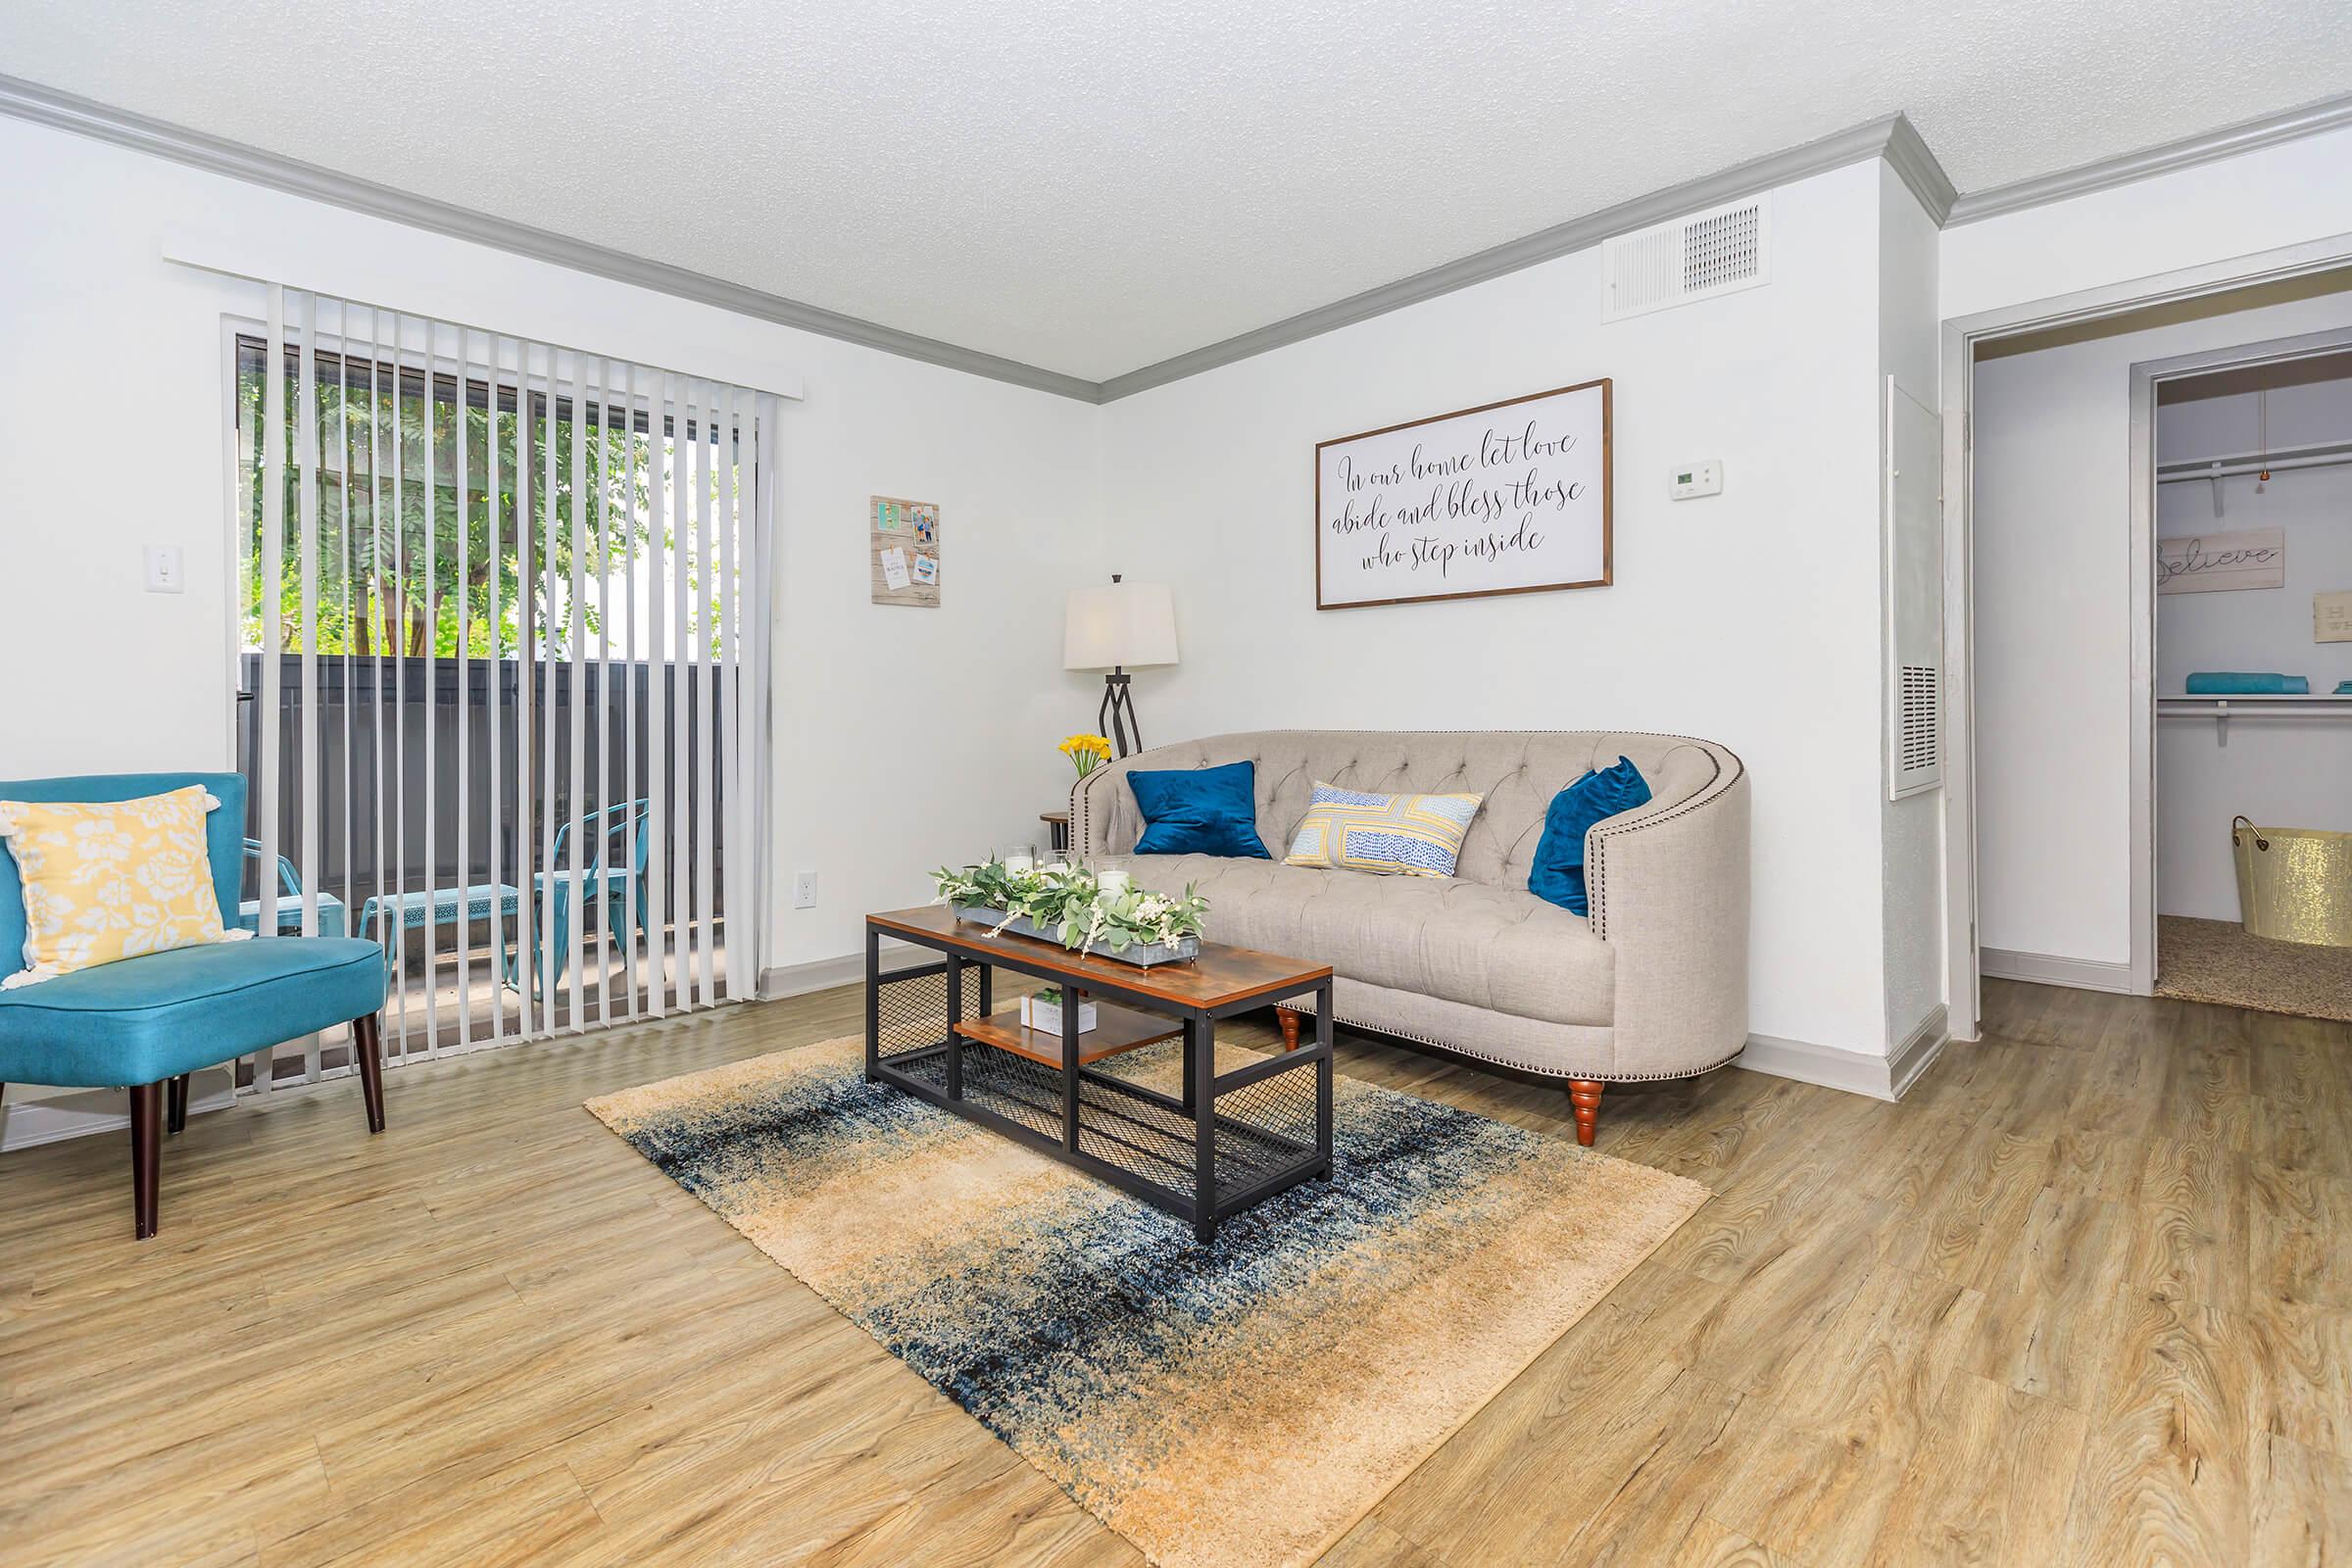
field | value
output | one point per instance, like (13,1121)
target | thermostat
(1698,479)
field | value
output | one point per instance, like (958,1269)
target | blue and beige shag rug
(1236,1405)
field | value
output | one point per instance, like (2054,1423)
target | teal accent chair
(147,1022)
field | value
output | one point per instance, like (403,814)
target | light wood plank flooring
(2085,1297)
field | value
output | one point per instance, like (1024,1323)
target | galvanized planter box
(1141,954)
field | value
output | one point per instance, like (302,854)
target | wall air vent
(1917,747)
(1719,251)
(1912,549)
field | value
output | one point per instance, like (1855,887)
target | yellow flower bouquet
(1086,752)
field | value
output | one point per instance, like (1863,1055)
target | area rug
(2218,960)
(1236,1405)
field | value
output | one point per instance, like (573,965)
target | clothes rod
(2231,467)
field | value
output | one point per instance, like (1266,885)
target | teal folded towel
(2343,688)
(2240,683)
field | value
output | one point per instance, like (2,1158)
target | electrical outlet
(1698,479)
(165,573)
(804,890)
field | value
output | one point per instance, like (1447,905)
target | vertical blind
(505,682)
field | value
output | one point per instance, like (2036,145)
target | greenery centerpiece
(1084,910)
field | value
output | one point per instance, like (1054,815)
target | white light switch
(1698,479)
(163,570)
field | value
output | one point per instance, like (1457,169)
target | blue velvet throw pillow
(1199,810)
(1558,873)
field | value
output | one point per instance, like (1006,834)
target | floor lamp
(1126,625)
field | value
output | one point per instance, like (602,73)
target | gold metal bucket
(2294,884)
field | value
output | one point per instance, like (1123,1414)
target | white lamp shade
(1120,625)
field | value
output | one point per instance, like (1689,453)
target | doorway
(502,671)
(2248,494)
(2063,784)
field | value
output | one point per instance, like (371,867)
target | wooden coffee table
(1224,1143)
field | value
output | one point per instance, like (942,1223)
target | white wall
(1912,904)
(2053,538)
(1751,618)
(905,737)
(2262,199)
(2281,773)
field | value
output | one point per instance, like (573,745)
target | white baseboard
(1918,1051)
(2042,968)
(822,974)
(1879,1077)
(1809,1064)
(86,1111)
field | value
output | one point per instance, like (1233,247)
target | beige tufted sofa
(1654,985)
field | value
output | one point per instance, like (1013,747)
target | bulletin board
(903,551)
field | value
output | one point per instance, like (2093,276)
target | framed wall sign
(2222,563)
(1507,498)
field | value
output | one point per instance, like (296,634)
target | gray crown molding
(1892,138)
(43,106)
(1909,156)
(2310,120)
(1836,151)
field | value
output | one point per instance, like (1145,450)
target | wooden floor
(2085,1297)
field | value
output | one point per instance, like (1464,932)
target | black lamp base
(1116,716)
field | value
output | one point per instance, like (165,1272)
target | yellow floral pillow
(112,879)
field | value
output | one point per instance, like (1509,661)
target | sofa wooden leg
(1290,1027)
(176,1102)
(371,1069)
(1585,1095)
(146,1153)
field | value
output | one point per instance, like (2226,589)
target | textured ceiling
(1092,187)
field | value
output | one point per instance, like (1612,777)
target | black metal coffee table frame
(1202,1156)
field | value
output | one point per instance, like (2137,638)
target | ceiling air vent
(1719,251)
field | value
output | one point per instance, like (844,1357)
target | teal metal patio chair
(335,920)
(149,1021)
(614,860)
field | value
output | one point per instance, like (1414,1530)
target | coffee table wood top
(1220,977)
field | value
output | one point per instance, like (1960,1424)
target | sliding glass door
(503,686)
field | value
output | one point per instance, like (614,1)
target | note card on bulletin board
(903,552)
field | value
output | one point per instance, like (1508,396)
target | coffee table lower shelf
(1204,1149)
(1134,1137)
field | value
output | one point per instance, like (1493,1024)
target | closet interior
(2253,674)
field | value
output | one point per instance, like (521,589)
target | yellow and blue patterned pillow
(112,879)
(1407,835)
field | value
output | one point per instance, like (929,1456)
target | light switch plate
(165,570)
(1698,479)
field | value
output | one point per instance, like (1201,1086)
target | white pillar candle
(1018,864)
(1114,882)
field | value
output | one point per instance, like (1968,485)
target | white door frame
(1961,335)
(2146,376)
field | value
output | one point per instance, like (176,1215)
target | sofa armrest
(1670,896)
(1103,819)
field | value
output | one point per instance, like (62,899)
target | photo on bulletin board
(903,552)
